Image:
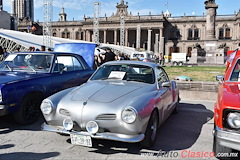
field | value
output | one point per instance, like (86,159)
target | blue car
(27,78)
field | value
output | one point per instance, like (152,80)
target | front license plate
(81,140)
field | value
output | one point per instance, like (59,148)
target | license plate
(81,140)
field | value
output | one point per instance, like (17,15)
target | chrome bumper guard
(228,138)
(105,135)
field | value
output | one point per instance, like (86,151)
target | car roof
(42,52)
(149,64)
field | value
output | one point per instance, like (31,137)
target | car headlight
(67,124)
(233,120)
(46,107)
(92,127)
(129,115)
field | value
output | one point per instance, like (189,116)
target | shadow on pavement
(8,125)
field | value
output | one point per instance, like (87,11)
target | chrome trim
(105,135)
(106,117)
(227,138)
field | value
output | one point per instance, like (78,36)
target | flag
(166,3)
(231,56)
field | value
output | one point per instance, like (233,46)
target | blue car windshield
(27,62)
(126,72)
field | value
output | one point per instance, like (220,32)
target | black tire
(151,131)
(29,111)
(175,63)
(180,63)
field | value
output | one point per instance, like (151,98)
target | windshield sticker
(10,57)
(117,74)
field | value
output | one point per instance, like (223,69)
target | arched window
(63,35)
(68,34)
(77,35)
(54,34)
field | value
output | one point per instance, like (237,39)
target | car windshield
(27,62)
(126,72)
(235,76)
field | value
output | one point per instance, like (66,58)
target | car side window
(161,75)
(67,64)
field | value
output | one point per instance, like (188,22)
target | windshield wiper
(10,68)
(31,68)
(138,80)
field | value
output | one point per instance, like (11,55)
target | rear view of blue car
(27,78)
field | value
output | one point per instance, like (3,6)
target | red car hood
(231,94)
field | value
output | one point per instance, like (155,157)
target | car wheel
(151,131)
(180,63)
(175,63)
(218,149)
(29,111)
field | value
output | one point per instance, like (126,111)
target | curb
(198,90)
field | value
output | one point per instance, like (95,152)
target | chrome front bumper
(228,138)
(104,135)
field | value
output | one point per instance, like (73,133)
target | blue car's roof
(41,52)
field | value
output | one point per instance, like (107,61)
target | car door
(68,72)
(165,92)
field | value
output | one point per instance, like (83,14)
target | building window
(224,33)
(174,34)
(54,34)
(173,50)
(193,34)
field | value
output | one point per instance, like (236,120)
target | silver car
(122,101)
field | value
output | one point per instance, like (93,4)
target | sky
(76,9)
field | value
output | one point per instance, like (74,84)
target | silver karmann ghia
(122,101)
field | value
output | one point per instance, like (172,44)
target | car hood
(8,77)
(231,94)
(104,91)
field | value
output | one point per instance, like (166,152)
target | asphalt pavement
(185,135)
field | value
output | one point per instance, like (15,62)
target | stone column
(161,41)
(88,35)
(126,37)
(211,8)
(84,35)
(115,36)
(149,40)
(105,36)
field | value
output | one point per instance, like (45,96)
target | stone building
(172,34)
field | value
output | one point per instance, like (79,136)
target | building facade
(167,34)
(23,9)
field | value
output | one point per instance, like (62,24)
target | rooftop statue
(209,1)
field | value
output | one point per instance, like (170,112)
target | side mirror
(220,78)
(166,84)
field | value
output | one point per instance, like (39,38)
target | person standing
(160,59)
(1,54)
(5,53)
(109,56)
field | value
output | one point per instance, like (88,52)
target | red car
(227,111)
